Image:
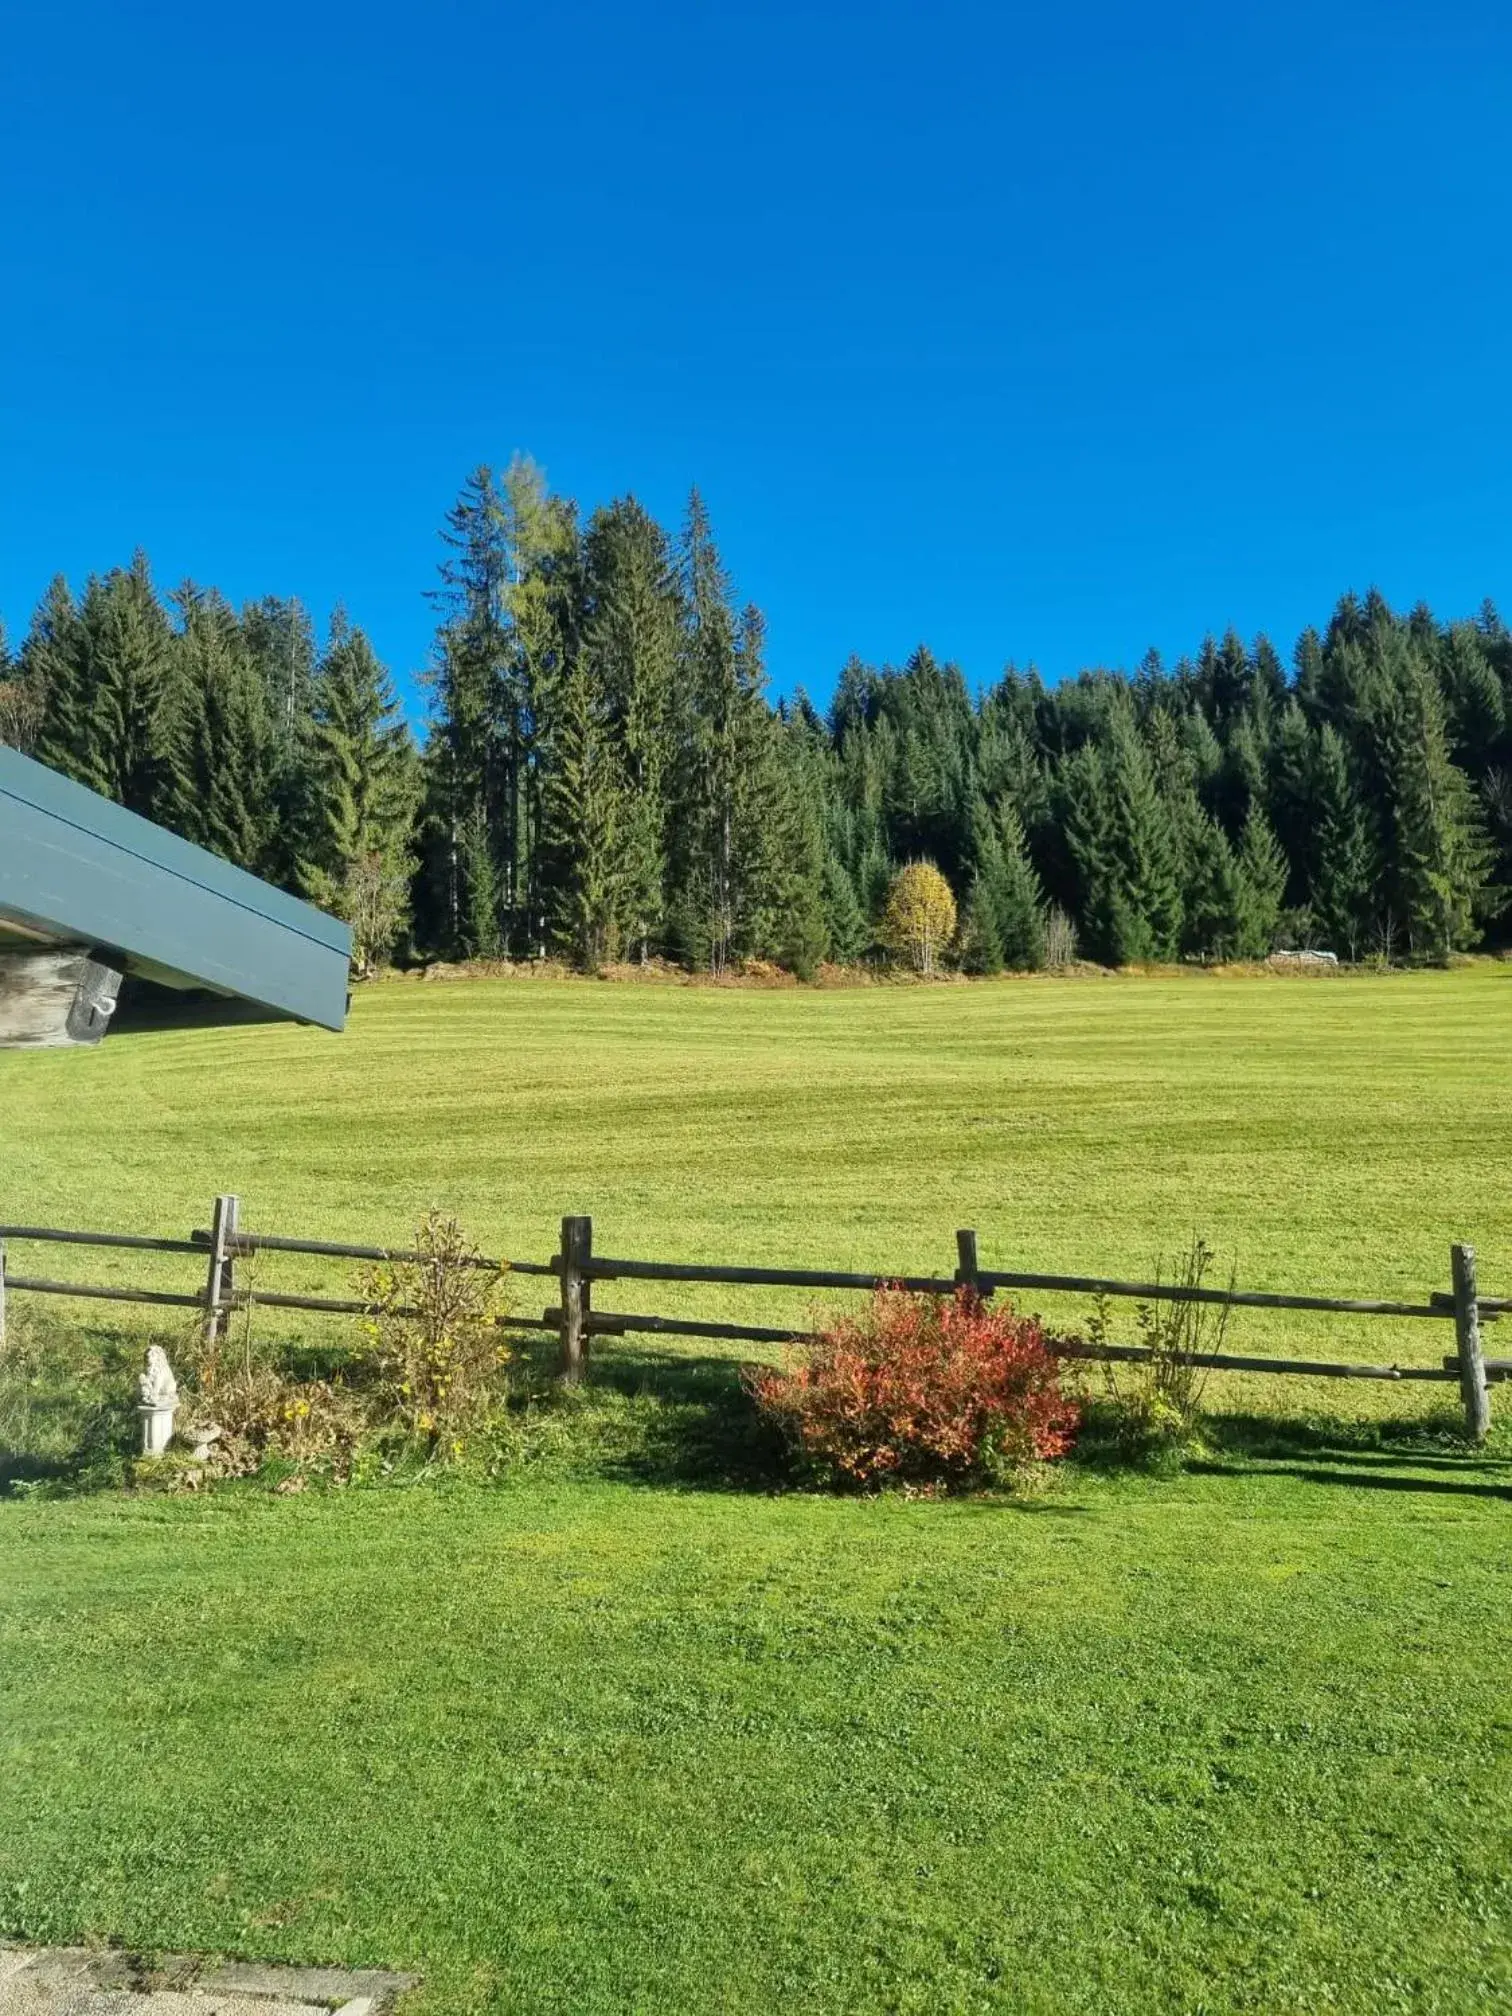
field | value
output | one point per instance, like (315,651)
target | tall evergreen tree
(472,794)
(20,712)
(355,855)
(126,703)
(585,816)
(1262,869)
(1339,890)
(54,665)
(725,770)
(630,633)
(216,791)
(846,928)
(1003,924)
(1434,853)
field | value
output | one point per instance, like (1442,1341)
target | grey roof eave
(76,867)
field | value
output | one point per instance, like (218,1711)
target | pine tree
(126,702)
(216,790)
(478,932)
(1003,924)
(355,855)
(20,709)
(1262,871)
(846,927)
(630,630)
(1339,890)
(724,774)
(472,787)
(54,665)
(1214,919)
(585,814)
(279,638)
(1021,902)
(1435,855)
(982,950)
(792,909)
(1084,816)
(1474,704)
(1289,798)
(543,606)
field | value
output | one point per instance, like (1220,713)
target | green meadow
(627,1728)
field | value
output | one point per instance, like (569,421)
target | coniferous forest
(602,777)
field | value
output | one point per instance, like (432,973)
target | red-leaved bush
(925,1389)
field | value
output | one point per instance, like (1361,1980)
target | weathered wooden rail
(577,1269)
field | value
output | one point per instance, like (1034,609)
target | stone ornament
(157,1400)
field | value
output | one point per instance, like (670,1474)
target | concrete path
(79,1981)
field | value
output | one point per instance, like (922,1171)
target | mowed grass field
(1331,1135)
(1234,1739)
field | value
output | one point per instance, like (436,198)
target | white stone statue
(157,1391)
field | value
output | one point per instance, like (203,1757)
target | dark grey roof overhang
(77,870)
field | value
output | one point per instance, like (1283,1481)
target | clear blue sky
(1043,332)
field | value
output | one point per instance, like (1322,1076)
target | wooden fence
(577,1270)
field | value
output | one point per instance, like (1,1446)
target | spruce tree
(1003,922)
(543,606)
(1474,704)
(725,779)
(218,777)
(53,666)
(20,711)
(1435,859)
(1021,901)
(471,769)
(1262,870)
(630,631)
(1339,890)
(127,701)
(846,927)
(981,946)
(1289,799)
(584,817)
(355,849)
(279,638)
(1214,919)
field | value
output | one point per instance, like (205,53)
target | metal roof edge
(46,791)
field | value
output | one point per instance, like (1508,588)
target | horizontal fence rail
(247,1243)
(577,1270)
(127,1239)
(1232,1298)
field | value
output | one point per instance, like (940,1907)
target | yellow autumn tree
(920,918)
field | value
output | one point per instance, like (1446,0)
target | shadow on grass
(1425,1456)
(692,1423)
(1361,1480)
(1434,1443)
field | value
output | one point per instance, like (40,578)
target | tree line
(602,777)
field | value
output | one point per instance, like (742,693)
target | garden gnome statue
(158,1397)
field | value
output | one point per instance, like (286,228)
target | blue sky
(1040,333)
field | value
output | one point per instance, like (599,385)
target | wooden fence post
(220,1280)
(1472,1366)
(967,1272)
(577,1296)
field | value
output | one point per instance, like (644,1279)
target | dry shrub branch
(441,1361)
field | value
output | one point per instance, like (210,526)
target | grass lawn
(597,1738)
